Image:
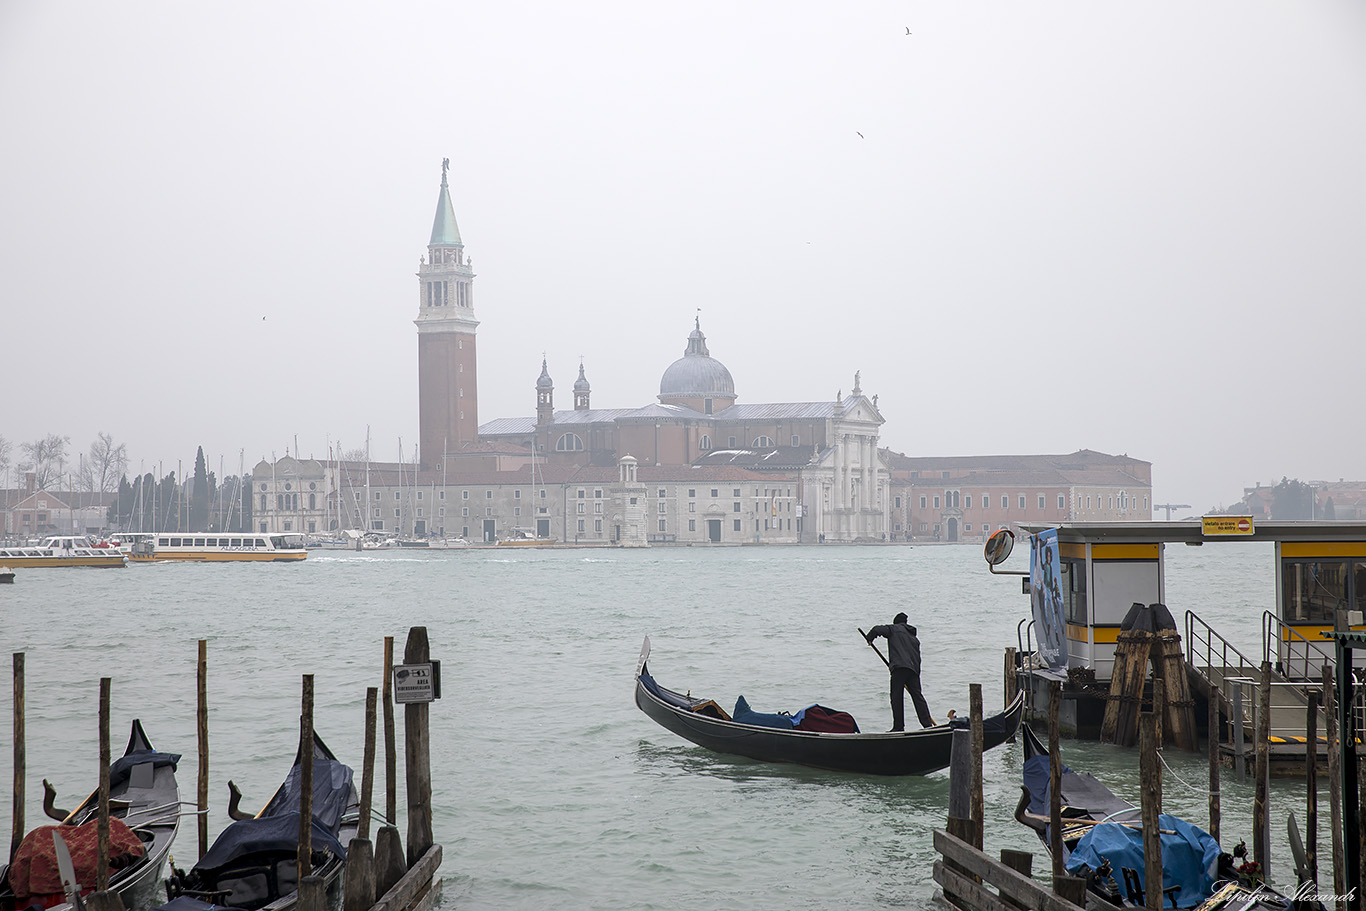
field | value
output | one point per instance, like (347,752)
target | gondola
(144,811)
(894,753)
(253,864)
(1101,830)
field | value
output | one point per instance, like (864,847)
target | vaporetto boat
(62,550)
(217,548)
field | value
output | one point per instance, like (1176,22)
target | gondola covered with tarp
(144,817)
(816,736)
(253,864)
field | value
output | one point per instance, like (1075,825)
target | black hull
(901,753)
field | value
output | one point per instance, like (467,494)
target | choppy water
(550,788)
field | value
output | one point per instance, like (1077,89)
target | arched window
(760,442)
(705,443)
(570,442)
(313,501)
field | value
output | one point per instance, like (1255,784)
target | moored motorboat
(704,723)
(6,574)
(211,547)
(144,809)
(253,863)
(62,550)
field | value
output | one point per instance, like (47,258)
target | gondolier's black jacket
(903,648)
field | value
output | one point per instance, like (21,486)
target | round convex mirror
(999,546)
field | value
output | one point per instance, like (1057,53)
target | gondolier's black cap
(899,618)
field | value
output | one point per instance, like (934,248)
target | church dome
(581,384)
(697,372)
(543,381)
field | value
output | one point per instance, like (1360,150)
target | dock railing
(1302,660)
(1214,657)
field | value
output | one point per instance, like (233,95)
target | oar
(873,646)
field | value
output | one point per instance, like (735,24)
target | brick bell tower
(447,391)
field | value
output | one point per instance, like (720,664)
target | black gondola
(143,795)
(253,864)
(899,753)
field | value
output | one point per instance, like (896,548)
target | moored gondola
(1102,842)
(144,811)
(253,864)
(894,753)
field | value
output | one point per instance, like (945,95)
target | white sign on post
(417,682)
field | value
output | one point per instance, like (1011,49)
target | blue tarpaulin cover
(745,715)
(265,834)
(1189,856)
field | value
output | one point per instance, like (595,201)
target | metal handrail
(1224,648)
(1273,627)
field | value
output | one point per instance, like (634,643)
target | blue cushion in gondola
(745,715)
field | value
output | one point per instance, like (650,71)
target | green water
(550,788)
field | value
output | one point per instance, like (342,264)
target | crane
(1170,506)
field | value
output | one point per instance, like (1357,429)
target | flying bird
(908,29)
(860,135)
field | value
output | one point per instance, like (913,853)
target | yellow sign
(1226,525)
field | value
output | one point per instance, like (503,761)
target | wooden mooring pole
(202,722)
(390,749)
(978,743)
(1261,829)
(1214,764)
(102,862)
(1012,681)
(1054,779)
(312,893)
(20,757)
(359,893)
(417,755)
(1311,787)
(103,899)
(1150,801)
(1330,730)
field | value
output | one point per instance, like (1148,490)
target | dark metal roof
(1191,532)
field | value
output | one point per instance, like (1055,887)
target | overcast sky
(1137,228)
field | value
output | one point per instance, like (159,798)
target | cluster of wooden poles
(378,876)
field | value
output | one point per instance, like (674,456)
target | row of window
(572,442)
(952,500)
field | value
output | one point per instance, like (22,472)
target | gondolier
(903,659)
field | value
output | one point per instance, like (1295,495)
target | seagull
(860,136)
(908,29)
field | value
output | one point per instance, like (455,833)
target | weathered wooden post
(312,892)
(102,862)
(390,749)
(1055,779)
(1311,784)
(978,743)
(1330,730)
(1159,705)
(417,755)
(1214,764)
(389,860)
(20,757)
(359,893)
(1021,862)
(959,822)
(1261,841)
(1012,681)
(103,899)
(202,722)
(1150,801)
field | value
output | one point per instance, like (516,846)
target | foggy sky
(1137,228)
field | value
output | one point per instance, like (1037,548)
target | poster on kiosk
(1045,596)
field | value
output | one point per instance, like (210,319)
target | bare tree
(44,458)
(103,465)
(354,455)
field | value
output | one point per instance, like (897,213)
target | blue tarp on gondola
(331,791)
(263,834)
(1189,855)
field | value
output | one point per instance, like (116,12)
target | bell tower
(447,389)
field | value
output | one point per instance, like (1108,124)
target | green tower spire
(445,231)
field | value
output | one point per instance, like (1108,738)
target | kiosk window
(1315,590)
(1074,590)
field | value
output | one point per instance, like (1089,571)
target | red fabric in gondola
(827,721)
(34,875)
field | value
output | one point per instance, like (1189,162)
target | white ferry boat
(62,550)
(205,547)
